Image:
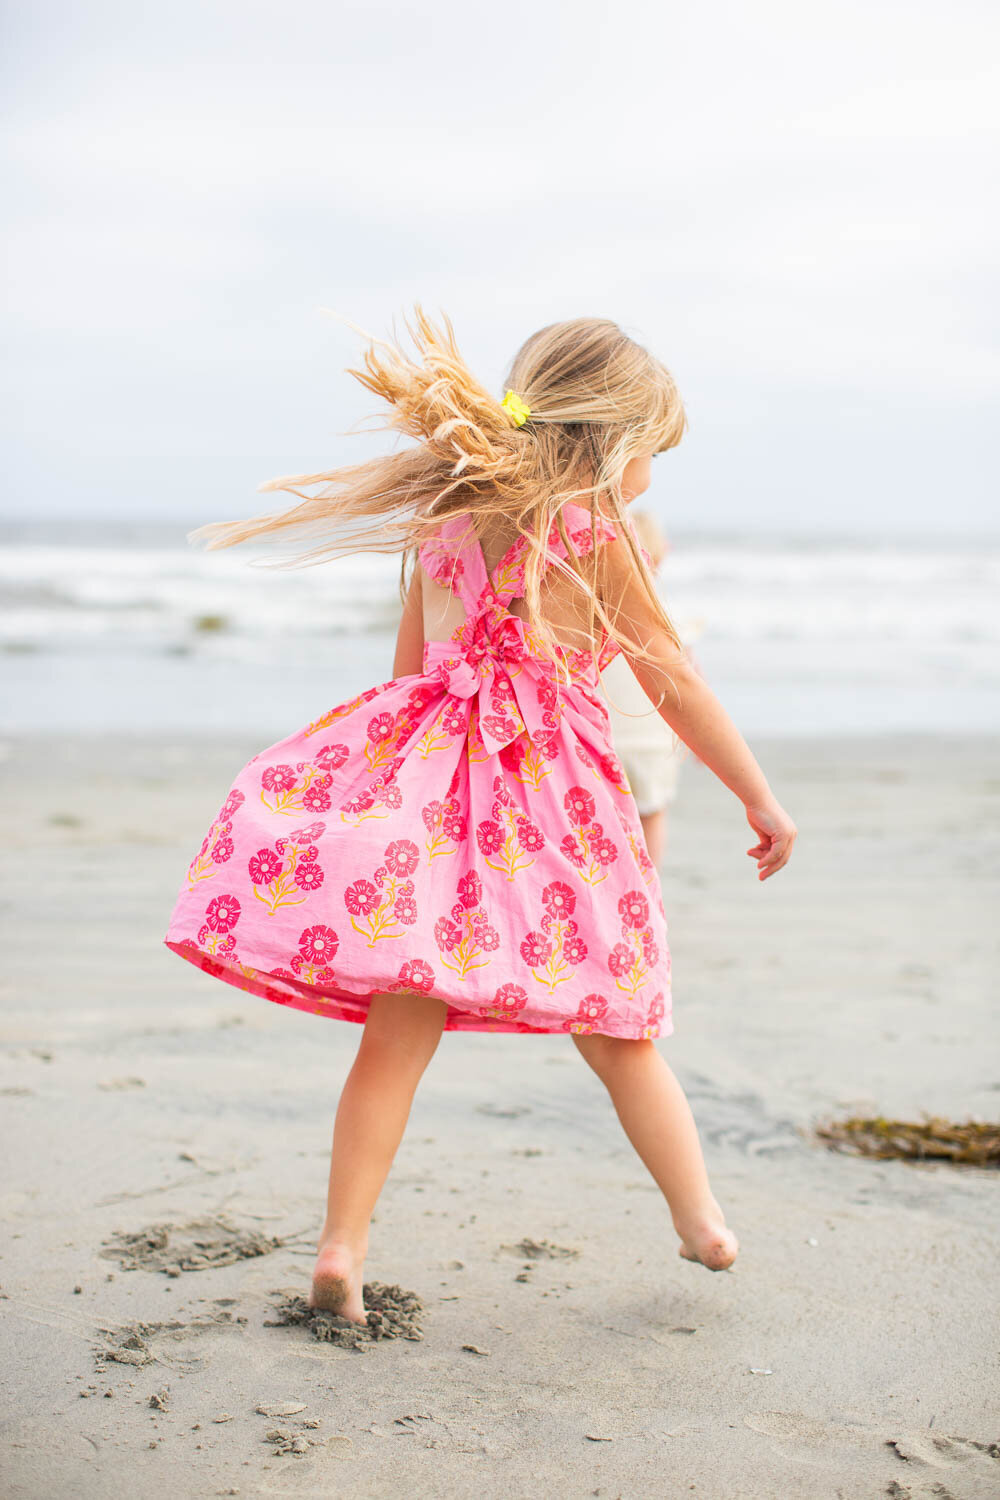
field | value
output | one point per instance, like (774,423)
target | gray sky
(793,205)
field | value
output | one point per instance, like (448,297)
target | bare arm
(692,710)
(409,657)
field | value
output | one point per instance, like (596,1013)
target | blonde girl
(458,848)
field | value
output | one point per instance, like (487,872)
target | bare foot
(337,1281)
(709,1242)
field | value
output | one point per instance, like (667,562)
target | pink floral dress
(465,832)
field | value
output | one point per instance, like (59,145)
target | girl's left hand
(777,834)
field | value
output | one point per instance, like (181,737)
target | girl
(458,848)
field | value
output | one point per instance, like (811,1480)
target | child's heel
(329,1292)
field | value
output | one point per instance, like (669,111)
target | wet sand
(167,1142)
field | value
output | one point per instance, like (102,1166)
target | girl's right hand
(777,834)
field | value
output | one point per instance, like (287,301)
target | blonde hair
(597,400)
(650,534)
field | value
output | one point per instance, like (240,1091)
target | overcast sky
(794,205)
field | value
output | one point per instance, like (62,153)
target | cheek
(636,477)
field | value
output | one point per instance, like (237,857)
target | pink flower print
(308,877)
(486,935)
(361,898)
(454,822)
(380,728)
(390,901)
(309,835)
(489,837)
(232,803)
(402,857)
(579,805)
(385,735)
(416,975)
(318,944)
(332,757)
(530,838)
(574,950)
(288,791)
(614,771)
(654,1017)
(284,875)
(619,960)
(405,910)
(445,827)
(467,935)
(470,890)
(451,721)
(265,866)
(392,797)
(559,899)
(512,755)
(508,1000)
(317,798)
(574,850)
(605,852)
(216,847)
(455,719)
(554,952)
(447,934)
(525,759)
(536,949)
(507,838)
(278,778)
(591,1010)
(587,849)
(361,803)
(633,908)
(222,913)
(632,961)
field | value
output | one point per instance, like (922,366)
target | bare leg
(657,1119)
(400,1036)
(654,832)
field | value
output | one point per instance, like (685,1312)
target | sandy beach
(567,1350)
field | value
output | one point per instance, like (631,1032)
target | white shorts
(652,777)
(644,742)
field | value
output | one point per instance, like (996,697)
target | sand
(166,1146)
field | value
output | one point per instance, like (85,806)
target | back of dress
(465,832)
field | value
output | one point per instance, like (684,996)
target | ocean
(128,628)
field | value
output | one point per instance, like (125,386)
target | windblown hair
(597,399)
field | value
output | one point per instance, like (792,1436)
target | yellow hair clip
(515,409)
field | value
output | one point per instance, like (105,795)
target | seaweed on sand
(969,1143)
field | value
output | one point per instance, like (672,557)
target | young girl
(458,848)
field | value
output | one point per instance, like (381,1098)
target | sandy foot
(337,1283)
(711,1244)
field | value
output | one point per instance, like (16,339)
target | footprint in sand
(974,1466)
(197,1246)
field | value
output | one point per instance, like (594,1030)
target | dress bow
(489,660)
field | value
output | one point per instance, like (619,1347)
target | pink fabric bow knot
(496,668)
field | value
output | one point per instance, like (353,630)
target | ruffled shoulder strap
(585,531)
(454,559)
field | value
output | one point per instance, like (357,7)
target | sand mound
(392,1314)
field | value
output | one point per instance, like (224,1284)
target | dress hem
(343,1005)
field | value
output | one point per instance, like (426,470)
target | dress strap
(454,559)
(453,556)
(585,531)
